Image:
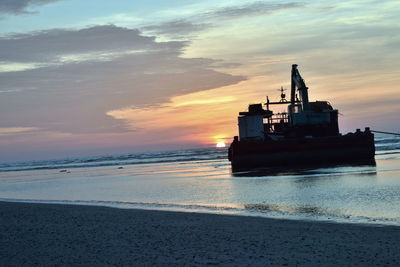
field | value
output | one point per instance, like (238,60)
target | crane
(297,81)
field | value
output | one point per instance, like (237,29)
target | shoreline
(202,209)
(60,234)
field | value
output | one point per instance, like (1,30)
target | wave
(384,146)
(387,147)
(389,140)
(201,154)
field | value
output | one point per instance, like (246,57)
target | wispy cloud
(16,130)
(17,7)
(250,9)
(205,19)
(180,27)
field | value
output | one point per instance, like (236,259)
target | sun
(220,144)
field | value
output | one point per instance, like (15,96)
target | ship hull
(350,148)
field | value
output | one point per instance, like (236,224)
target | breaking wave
(385,145)
(200,154)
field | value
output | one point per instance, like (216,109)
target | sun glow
(220,144)
(193,118)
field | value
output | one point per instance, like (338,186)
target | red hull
(357,147)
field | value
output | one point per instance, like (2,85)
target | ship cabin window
(295,108)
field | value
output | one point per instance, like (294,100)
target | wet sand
(50,234)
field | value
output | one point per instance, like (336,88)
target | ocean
(201,180)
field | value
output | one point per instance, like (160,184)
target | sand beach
(54,234)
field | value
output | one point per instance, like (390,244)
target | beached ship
(308,133)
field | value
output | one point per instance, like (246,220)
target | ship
(306,134)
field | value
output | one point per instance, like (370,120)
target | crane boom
(297,81)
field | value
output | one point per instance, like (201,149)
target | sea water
(201,180)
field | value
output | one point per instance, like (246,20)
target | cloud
(95,42)
(180,27)
(251,9)
(186,118)
(17,7)
(83,74)
(185,26)
(16,130)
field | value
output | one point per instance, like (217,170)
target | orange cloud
(204,117)
(210,116)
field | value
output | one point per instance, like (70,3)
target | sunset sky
(97,76)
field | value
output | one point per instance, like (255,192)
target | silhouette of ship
(307,134)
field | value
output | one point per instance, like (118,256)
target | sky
(98,77)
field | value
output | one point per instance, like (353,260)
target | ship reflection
(357,166)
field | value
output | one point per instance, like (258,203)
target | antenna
(283,95)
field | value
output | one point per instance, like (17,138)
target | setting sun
(220,144)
